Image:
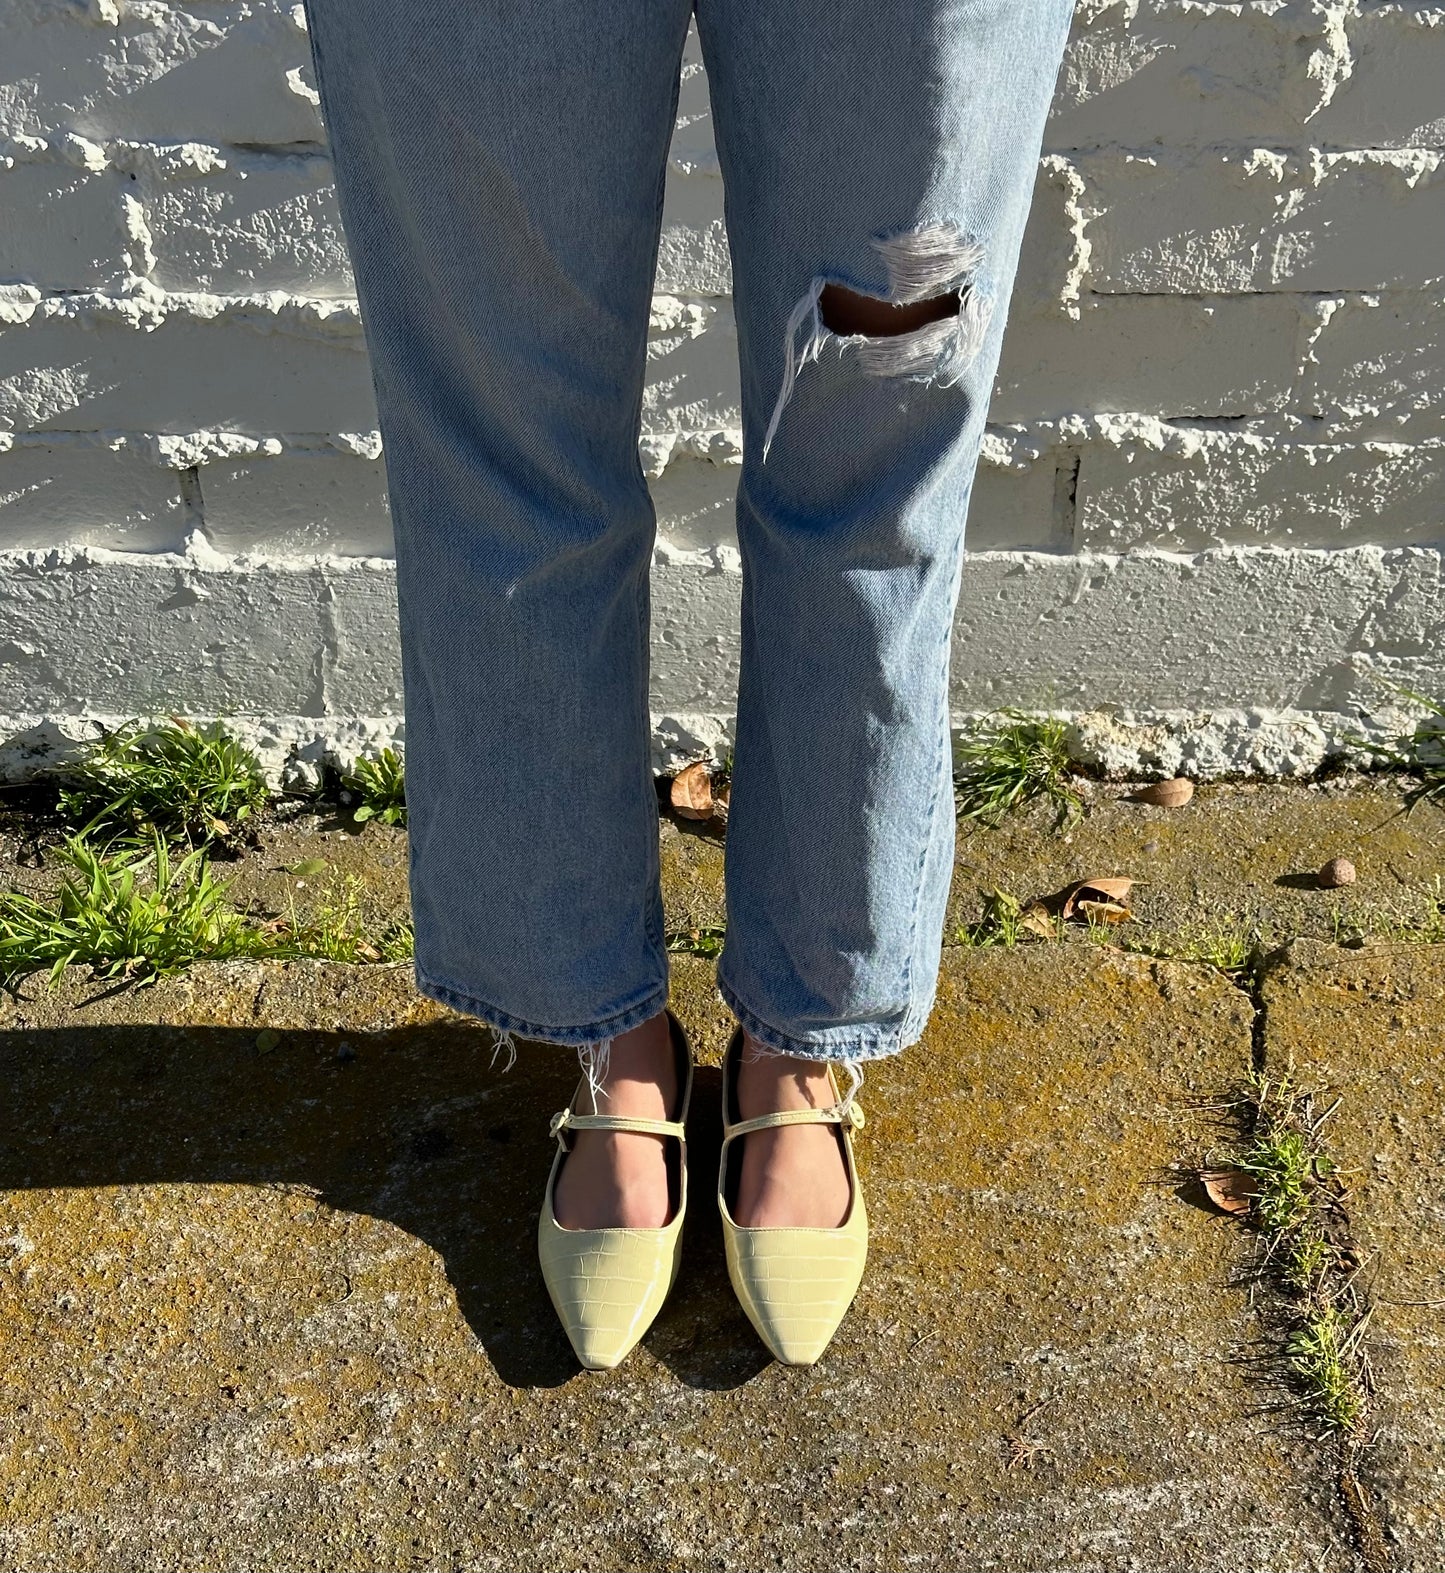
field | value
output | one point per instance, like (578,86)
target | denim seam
(570,1037)
(940,758)
(654,928)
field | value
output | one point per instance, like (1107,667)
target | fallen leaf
(266,1040)
(307,867)
(1037,920)
(692,791)
(1231,1190)
(1112,889)
(1166,794)
(1103,912)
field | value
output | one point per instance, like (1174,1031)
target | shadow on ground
(408,1126)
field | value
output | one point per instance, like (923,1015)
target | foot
(794,1176)
(618,1179)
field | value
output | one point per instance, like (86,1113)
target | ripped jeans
(500,169)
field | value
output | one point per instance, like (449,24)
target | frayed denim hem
(846,1045)
(593,1037)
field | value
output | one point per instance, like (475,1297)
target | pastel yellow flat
(794,1284)
(607,1285)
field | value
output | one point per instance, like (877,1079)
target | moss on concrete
(275,1306)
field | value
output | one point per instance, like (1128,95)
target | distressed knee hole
(845,311)
(927,326)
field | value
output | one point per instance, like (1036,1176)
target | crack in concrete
(1361,1500)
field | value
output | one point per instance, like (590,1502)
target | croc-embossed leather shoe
(607,1285)
(795,1284)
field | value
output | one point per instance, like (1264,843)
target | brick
(237,72)
(298,503)
(1166,71)
(1049,268)
(693,253)
(262,223)
(1392,96)
(188,374)
(1021,508)
(1170,355)
(1228,221)
(75,494)
(695,501)
(692,368)
(1234,489)
(1378,366)
(61,228)
(1192,75)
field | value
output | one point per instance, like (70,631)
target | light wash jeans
(500,165)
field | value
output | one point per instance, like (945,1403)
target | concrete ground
(268,1297)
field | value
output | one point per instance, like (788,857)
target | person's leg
(500,169)
(879,166)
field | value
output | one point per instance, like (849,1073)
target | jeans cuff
(505,1023)
(853,1042)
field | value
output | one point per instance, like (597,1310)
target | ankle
(640,1072)
(768,1082)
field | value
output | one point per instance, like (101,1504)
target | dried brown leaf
(1038,920)
(1111,889)
(692,791)
(1166,794)
(1231,1190)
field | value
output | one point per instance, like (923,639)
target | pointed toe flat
(607,1285)
(794,1284)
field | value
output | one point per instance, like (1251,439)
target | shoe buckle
(851,1114)
(560,1121)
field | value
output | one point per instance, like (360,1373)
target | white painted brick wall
(1208,522)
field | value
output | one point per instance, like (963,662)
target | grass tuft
(1421,754)
(133,915)
(1231,944)
(1019,760)
(337,931)
(706,940)
(195,783)
(1000,927)
(1412,916)
(140,915)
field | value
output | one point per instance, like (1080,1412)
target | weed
(140,915)
(336,931)
(137,915)
(187,781)
(1001,924)
(380,784)
(1004,766)
(1409,917)
(706,940)
(1231,944)
(1305,1250)
(1422,753)
(397,941)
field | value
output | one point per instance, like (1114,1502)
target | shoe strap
(849,1114)
(566,1120)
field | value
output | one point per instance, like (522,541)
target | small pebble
(1337,872)
(345,1053)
